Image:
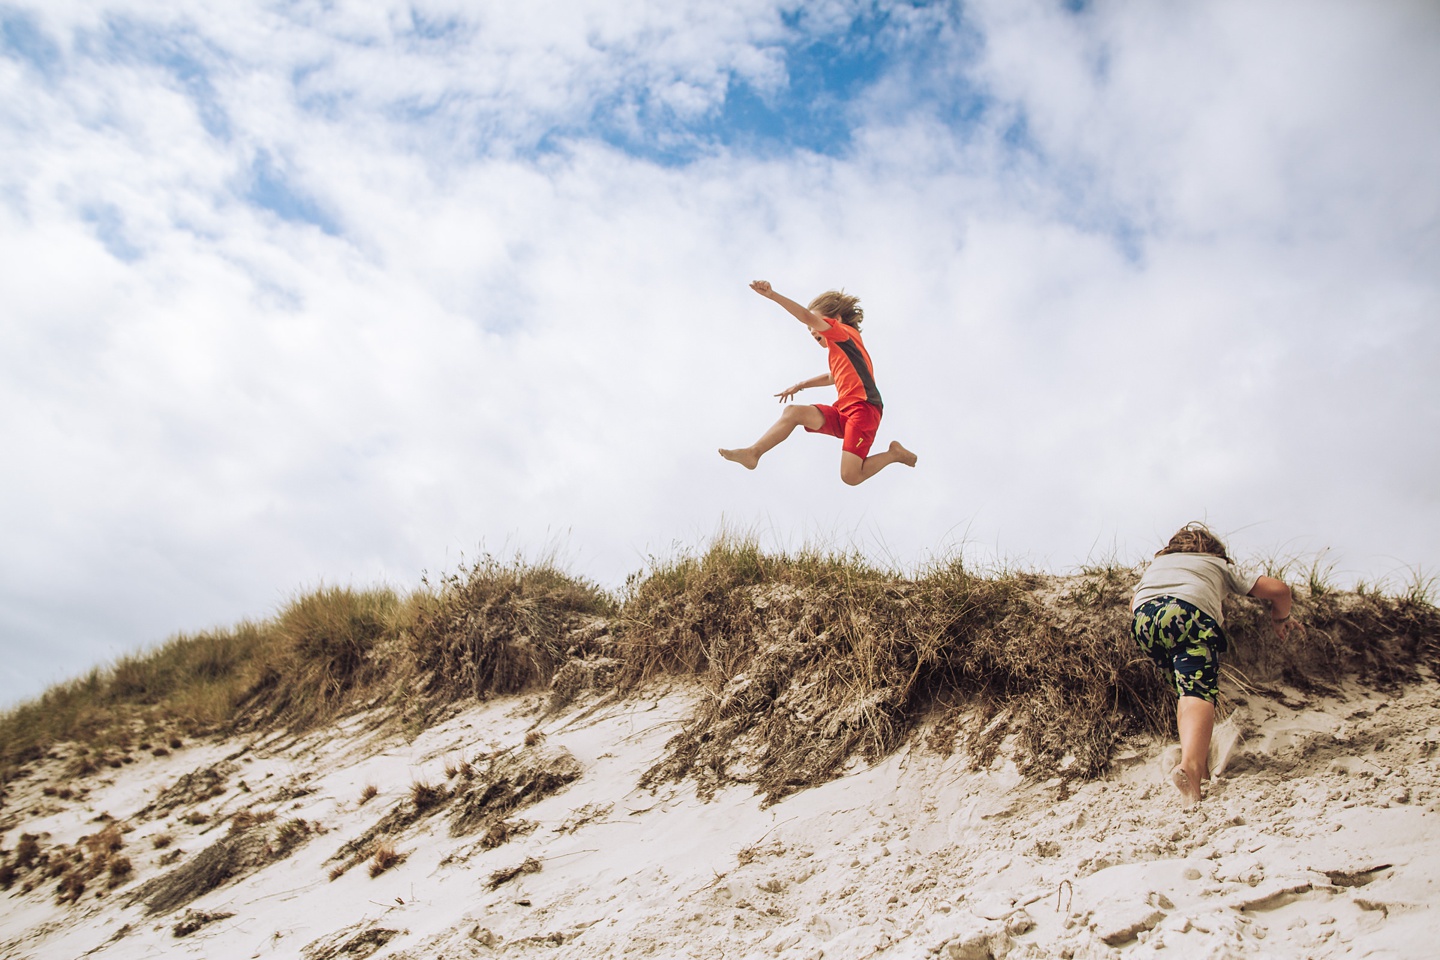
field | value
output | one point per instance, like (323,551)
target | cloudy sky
(307,292)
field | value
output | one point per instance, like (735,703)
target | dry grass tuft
(289,835)
(427,797)
(498,628)
(119,870)
(511,782)
(503,831)
(503,876)
(246,819)
(192,920)
(93,857)
(327,643)
(383,857)
(809,660)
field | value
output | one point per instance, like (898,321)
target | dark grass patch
(238,854)
(349,944)
(511,782)
(192,920)
(197,786)
(427,797)
(503,831)
(504,875)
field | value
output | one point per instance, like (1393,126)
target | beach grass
(805,660)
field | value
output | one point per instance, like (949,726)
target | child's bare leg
(799,415)
(854,471)
(1196,718)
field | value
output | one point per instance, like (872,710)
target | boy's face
(818,339)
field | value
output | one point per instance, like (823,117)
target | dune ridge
(743,756)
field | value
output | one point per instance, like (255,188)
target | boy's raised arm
(805,315)
(1277,592)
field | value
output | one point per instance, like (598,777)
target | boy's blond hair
(1195,537)
(839,305)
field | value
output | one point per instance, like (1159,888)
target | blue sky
(306,293)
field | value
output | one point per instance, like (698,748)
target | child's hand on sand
(761,287)
(1283,628)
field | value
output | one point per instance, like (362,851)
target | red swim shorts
(855,425)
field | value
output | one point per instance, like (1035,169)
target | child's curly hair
(839,305)
(1195,537)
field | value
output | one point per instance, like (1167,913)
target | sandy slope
(1323,840)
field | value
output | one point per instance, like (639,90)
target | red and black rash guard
(850,366)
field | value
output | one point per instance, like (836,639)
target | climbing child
(1179,619)
(833,319)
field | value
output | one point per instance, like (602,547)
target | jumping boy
(834,321)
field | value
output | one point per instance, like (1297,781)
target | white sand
(1322,840)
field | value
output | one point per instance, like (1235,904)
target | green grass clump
(192,682)
(323,651)
(491,628)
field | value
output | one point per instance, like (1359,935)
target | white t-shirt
(1200,578)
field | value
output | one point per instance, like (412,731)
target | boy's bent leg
(800,415)
(855,471)
(1196,661)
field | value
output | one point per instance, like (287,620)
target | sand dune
(1321,839)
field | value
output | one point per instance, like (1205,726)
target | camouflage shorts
(1185,642)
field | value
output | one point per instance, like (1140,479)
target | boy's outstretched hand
(761,287)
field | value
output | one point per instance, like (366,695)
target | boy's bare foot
(745,458)
(900,454)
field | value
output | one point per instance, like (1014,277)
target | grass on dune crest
(322,650)
(809,660)
(190,684)
(498,628)
(490,628)
(806,660)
